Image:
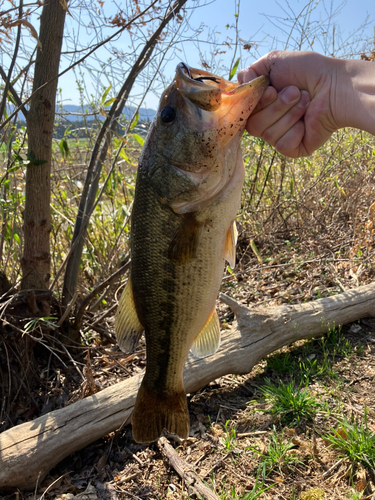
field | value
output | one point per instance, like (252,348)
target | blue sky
(266,25)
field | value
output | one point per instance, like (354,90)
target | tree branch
(77,62)
(185,471)
(7,79)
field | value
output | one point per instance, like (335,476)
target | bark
(36,259)
(30,450)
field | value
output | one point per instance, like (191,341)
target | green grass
(258,489)
(230,437)
(353,441)
(278,454)
(290,404)
(314,360)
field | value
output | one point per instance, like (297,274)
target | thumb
(261,67)
(246,75)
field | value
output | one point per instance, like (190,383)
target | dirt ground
(240,445)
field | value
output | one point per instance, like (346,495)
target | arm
(311,96)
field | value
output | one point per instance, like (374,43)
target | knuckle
(267,136)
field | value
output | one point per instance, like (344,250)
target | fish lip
(260,82)
(183,71)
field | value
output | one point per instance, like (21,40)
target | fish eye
(167,114)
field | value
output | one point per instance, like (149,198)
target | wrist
(355,95)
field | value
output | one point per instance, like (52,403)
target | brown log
(30,450)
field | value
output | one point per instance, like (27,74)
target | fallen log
(28,451)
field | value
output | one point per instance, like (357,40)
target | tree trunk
(30,450)
(36,259)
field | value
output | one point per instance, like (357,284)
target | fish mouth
(208,91)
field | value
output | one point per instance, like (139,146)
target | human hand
(296,113)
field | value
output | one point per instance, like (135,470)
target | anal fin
(230,244)
(208,340)
(127,325)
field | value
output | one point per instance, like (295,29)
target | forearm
(355,96)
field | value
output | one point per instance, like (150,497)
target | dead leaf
(101,462)
(361,483)
(33,32)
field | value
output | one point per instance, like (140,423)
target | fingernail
(289,94)
(304,100)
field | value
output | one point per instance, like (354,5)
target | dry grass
(306,231)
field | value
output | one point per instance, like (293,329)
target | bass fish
(187,194)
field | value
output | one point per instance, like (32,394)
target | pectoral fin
(230,245)
(127,325)
(185,241)
(208,340)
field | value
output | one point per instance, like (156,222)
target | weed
(311,368)
(356,495)
(280,362)
(230,436)
(354,441)
(336,343)
(290,404)
(258,489)
(277,455)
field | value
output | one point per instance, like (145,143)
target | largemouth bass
(187,194)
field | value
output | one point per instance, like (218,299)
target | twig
(328,472)
(137,459)
(98,289)
(67,310)
(100,318)
(185,471)
(97,46)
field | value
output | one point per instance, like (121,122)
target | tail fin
(154,412)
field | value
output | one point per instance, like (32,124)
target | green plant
(356,495)
(336,343)
(289,403)
(354,441)
(314,368)
(280,362)
(258,489)
(230,436)
(277,455)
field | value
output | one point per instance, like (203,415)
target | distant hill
(75,112)
(72,112)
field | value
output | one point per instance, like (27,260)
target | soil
(232,424)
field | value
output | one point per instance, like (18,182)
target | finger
(245,75)
(274,133)
(268,97)
(261,67)
(291,143)
(272,113)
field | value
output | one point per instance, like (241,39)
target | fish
(183,229)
